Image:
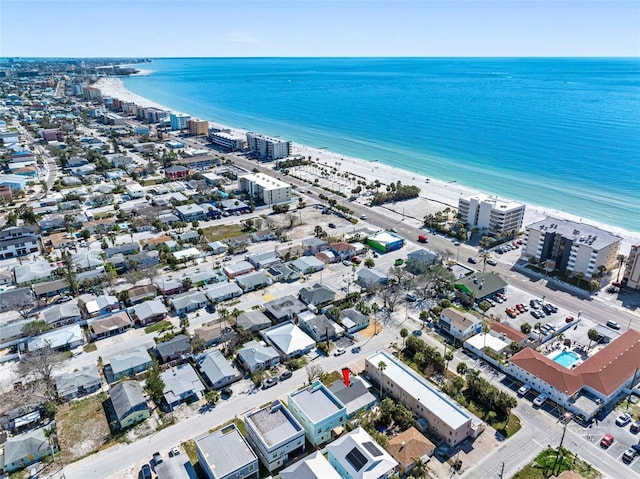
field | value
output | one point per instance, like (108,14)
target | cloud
(240,37)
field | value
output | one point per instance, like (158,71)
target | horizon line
(620,57)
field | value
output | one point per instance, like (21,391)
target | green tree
(369,263)
(462,368)
(593,335)
(621,258)
(404,332)
(35,327)
(381,367)
(525,328)
(212,397)
(155,385)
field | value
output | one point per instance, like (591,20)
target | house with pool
(581,384)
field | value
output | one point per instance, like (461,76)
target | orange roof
(605,371)
(509,332)
(408,445)
(159,239)
(342,246)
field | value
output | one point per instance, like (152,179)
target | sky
(310,28)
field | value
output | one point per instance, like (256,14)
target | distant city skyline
(243,28)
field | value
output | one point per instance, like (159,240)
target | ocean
(559,133)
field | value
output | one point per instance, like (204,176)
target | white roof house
(63,338)
(358,456)
(314,466)
(289,339)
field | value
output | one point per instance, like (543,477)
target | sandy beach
(438,193)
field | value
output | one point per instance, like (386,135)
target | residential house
(50,288)
(307,264)
(327,257)
(317,295)
(28,273)
(62,339)
(102,225)
(19,241)
(446,418)
(319,326)
(26,449)
(127,364)
(207,277)
(169,286)
(358,456)
(110,326)
(238,243)
(419,260)
(319,412)
(263,235)
(313,246)
(356,396)
(148,312)
(190,212)
(252,320)
(86,261)
(214,333)
(284,309)
(176,467)
(217,247)
(15,299)
(353,320)
(216,371)
(174,348)
(176,172)
(223,291)
(124,249)
(343,250)
(459,324)
(189,301)
(254,356)
(225,454)
(181,384)
(407,447)
(153,243)
(138,294)
(61,314)
(275,435)
(129,404)
(78,383)
(289,340)
(370,278)
(314,466)
(234,270)
(506,332)
(143,260)
(264,260)
(59,241)
(253,281)
(102,305)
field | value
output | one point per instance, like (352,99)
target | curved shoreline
(445,193)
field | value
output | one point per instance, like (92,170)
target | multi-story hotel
(270,191)
(569,247)
(198,127)
(632,271)
(178,121)
(489,212)
(267,147)
(227,140)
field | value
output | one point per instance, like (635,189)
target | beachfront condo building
(571,248)
(268,148)
(632,271)
(491,214)
(227,140)
(198,127)
(265,189)
(178,121)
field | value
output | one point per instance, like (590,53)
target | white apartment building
(488,212)
(227,140)
(265,188)
(632,271)
(268,147)
(569,247)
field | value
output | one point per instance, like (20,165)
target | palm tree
(620,259)
(447,357)
(485,256)
(404,332)
(381,367)
(593,336)
(419,470)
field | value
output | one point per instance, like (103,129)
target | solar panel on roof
(356,459)
(372,448)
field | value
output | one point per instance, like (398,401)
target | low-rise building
(252,281)
(319,412)
(356,396)
(26,449)
(317,295)
(216,371)
(319,326)
(188,302)
(149,312)
(480,286)
(78,383)
(176,467)
(223,291)
(103,304)
(110,326)
(358,456)
(214,333)
(409,446)
(252,321)
(173,349)
(19,241)
(385,242)
(314,466)
(127,364)
(225,454)
(459,324)
(371,278)
(284,309)
(275,435)
(181,384)
(61,339)
(445,417)
(129,403)
(289,340)
(353,320)
(62,314)
(254,356)
(307,264)
(234,270)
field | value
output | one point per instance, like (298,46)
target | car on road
(606,441)
(286,375)
(339,352)
(540,400)
(492,262)
(568,319)
(628,455)
(613,325)
(471,260)
(363,217)
(623,419)
(269,383)
(524,389)
(457,243)
(145,472)
(411,297)
(346,262)
(417,332)
(331,225)
(398,262)
(356,349)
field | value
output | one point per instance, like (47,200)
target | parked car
(339,352)
(520,307)
(534,303)
(539,401)
(491,302)
(613,325)
(269,383)
(145,472)
(606,441)
(398,262)
(175,451)
(524,389)
(623,419)
(286,375)
(411,297)
(417,332)
(471,260)
(635,427)
(568,319)
(492,262)
(157,459)
(227,391)
(346,262)
(628,455)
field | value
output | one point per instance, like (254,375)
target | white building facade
(268,147)
(488,212)
(267,189)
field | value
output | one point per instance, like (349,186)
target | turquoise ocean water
(560,133)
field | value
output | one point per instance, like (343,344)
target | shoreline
(439,191)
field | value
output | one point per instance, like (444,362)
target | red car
(568,319)
(606,441)
(520,308)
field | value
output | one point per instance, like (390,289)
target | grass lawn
(510,427)
(220,232)
(542,466)
(190,448)
(158,327)
(329,378)
(82,427)
(90,347)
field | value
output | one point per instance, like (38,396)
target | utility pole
(564,430)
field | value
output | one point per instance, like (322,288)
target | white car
(623,419)
(539,401)
(524,389)
(339,352)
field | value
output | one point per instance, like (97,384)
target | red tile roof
(509,332)
(605,371)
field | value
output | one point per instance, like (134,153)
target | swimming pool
(566,358)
